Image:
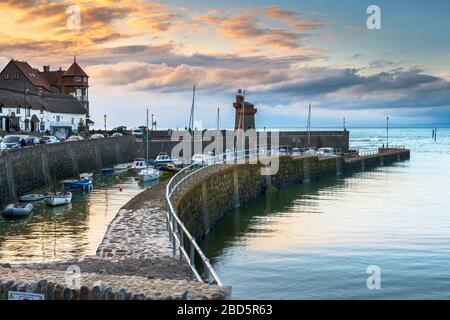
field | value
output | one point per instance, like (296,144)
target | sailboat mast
(218,119)
(146,159)
(191,119)
(309,126)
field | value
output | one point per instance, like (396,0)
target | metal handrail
(371,152)
(177,230)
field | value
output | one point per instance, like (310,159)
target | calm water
(315,241)
(69,231)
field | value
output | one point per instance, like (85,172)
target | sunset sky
(287,54)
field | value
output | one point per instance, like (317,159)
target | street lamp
(105,117)
(41,116)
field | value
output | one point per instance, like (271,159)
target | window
(17,76)
(18,110)
(1,109)
(73,121)
(6,76)
(77,78)
(58,118)
(85,79)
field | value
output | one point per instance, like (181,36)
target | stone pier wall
(203,205)
(23,170)
(299,139)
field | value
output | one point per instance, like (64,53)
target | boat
(149,174)
(86,176)
(17,211)
(163,159)
(122,167)
(140,164)
(59,198)
(33,197)
(108,170)
(78,185)
(170,169)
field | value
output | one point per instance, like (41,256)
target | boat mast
(146,159)
(218,119)
(54,180)
(308,126)
(191,119)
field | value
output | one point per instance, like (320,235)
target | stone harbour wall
(23,170)
(299,139)
(58,285)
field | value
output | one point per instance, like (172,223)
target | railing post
(192,252)
(174,243)
(181,245)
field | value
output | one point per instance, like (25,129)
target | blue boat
(108,170)
(81,185)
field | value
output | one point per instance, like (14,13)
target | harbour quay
(142,255)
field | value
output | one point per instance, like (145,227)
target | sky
(285,54)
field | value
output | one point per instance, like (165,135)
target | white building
(48,101)
(60,115)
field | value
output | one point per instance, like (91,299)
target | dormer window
(78,79)
(6,76)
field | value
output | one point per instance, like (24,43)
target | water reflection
(64,232)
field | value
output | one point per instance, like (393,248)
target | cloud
(275,81)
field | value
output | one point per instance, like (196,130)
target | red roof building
(21,76)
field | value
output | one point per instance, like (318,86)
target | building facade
(50,101)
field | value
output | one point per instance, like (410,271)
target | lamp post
(105,117)
(41,116)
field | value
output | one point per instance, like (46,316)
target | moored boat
(86,176)
(32,197)
(122,167)
(170,169)
(149,174)
(108,170)
(140,164)
(78,185)
(18,211)
(59,199)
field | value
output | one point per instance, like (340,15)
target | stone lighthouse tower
(245,112)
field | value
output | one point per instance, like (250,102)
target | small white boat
(139,164)
(88,176)
(122,167)
(59,199)
(32,197)
(18,211)
(149,174)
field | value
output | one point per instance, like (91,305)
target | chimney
(46,69)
